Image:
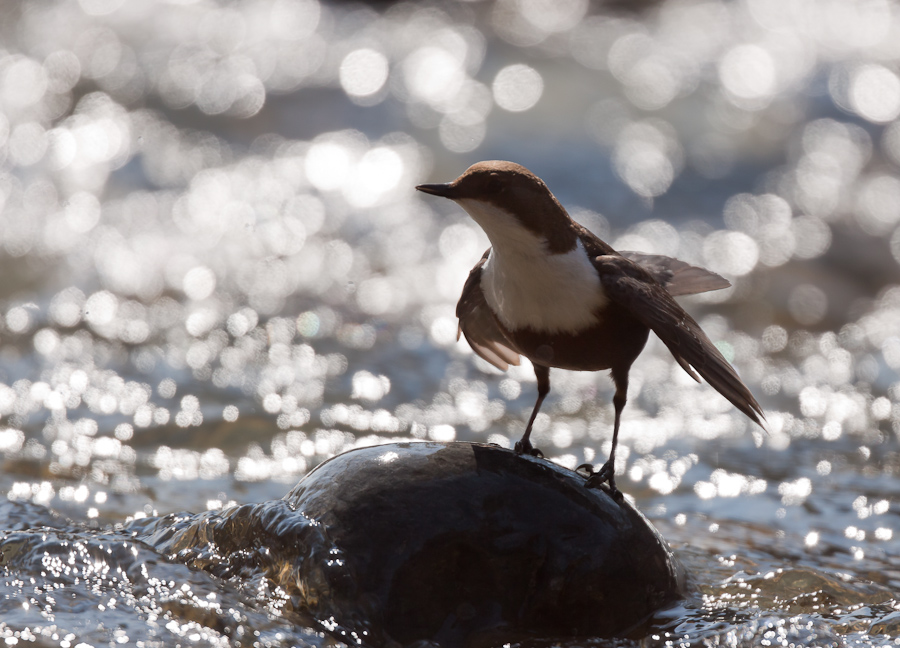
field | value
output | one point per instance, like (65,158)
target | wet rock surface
(455,544)
(469,545)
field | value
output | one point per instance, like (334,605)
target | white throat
(528,287)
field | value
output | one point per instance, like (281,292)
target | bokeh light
(875,93)
(647,157)
(748,73)
(517,87)
(363,72)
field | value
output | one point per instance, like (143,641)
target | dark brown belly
(616,341)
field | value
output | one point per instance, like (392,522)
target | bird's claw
(603,479)
(525,447)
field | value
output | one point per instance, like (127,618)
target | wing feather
(678,277)
(478,324)
(634,288)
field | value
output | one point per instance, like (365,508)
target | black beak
(445,190)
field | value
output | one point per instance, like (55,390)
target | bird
(552,291)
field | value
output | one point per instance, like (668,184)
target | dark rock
(472,545)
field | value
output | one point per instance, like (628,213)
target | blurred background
(216,273)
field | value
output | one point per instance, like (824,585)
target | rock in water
(464,544)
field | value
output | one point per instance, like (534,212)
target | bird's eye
(494,184)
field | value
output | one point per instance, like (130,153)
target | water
(217,274)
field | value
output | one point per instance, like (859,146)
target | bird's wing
(478,324)
(678,277)
(635,289)
(593,244)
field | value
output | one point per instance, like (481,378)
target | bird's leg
(523,446)
(607,473)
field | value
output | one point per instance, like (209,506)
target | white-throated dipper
(552,291)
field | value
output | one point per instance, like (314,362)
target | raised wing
(678,277)
(478,324)
(634,288)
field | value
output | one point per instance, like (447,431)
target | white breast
(555,293)
(526,286)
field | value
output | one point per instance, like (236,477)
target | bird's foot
(596,479)
(524,447)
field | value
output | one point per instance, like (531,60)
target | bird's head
(511,204)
